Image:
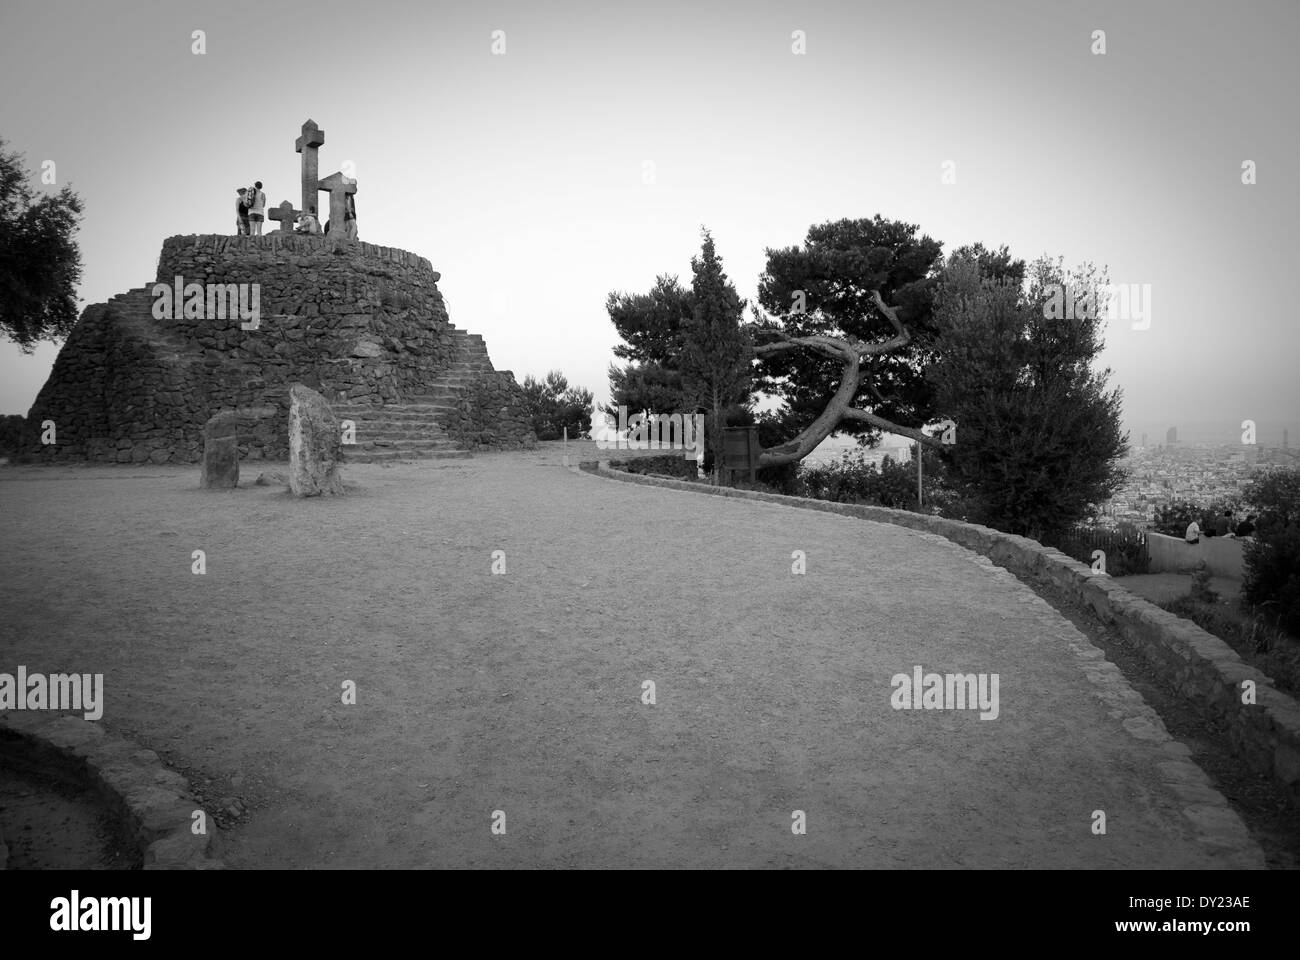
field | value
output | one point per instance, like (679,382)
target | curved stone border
(153,801)
(1203,669)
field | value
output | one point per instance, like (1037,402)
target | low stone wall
(152,802)
(1203,669)
(1222,555)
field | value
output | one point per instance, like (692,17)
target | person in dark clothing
(1247,527)
(241,212)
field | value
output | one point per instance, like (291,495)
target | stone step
(401,443)
(379,456)
(426,411)
(423,426)
(406,417)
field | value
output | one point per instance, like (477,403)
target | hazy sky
(522,176)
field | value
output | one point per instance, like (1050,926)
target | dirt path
(522,692)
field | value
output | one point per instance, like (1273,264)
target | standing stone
(221,451)
(314,440)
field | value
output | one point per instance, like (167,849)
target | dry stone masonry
(232,322)
(364,325)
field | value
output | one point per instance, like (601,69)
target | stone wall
(356,322)
(1222,555)
(492,416)
(1202,668)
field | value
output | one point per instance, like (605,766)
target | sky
(586,157)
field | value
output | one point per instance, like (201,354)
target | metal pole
(918,474)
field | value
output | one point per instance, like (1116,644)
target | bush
(554,406)
(853,479)
(1172,518)
(1201,591)
(11,434)
(668,465)
(1272,580)
(1257,642)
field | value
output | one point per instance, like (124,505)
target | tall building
(1286,440)
(1171,436)
(1144,441)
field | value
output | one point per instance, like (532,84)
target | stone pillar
(221,452)
(314,440)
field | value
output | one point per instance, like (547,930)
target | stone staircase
(411,430)
(416,428)
(396,431)
(134,313)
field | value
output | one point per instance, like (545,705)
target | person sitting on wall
(1223,525)
(307,223)
(1247,527)
(1193,534)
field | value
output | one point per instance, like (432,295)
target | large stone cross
(339,187)
(286,214)
(308,144)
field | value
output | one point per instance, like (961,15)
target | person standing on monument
(256,209)
(350,219)
(241,212)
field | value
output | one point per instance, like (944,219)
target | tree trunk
(840,406)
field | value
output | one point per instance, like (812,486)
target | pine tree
(716,350)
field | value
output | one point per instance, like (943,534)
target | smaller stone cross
(286,214)
(339,187)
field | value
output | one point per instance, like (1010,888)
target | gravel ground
(522,692)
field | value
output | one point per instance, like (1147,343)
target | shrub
(669,465)
(1256,641)
(854,479)
(1172,518)
(1201,591)
(11,434)
(1272,560)
(554,406)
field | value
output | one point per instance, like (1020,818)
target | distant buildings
(1171,435)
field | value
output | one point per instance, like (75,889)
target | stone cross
(286,214)
(339,187)
(308,144)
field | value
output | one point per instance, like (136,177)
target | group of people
(308,222)
(1221,527)
(250,214)
(250,210)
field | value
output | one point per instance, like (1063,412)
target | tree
(554,406)
(821,348)
(716,353)
(40,263)
(1039,435)
(1272,560)
(650,324)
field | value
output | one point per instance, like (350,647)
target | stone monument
(363,325)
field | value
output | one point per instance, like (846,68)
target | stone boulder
(221,451)
(314,439)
